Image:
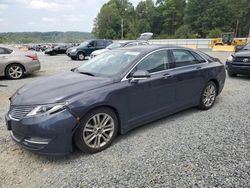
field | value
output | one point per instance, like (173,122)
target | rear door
(188,69)
(4,58)
(91,47)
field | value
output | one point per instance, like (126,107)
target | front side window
(247,47)
(155,62)
(183,58)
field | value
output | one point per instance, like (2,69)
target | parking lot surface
(192,148)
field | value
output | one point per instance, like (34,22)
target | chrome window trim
(170,69)
(125,77)
(192,55)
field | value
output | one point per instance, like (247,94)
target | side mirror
(238,48)
(89,46)
(140,75)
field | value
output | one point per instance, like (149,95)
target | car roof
(149,48)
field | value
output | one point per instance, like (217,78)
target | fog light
(37,140)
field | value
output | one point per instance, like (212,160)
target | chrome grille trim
(19,112)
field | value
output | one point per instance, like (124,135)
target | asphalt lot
(189,149)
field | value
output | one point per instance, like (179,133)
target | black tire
(230,74)
(80,56)
(206,104)
(82,134)
(9,71)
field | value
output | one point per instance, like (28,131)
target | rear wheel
(14,71)
(80,56)
(208,96)
(97,130)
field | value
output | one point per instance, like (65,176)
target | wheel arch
(217,85)
(14,63)
(81,51)
(110,107)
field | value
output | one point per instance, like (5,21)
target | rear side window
(183,58)
(100,43)
(5,51)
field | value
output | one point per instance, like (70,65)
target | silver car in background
(14,63)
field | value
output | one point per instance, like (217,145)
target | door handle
(167,76)
(198,68)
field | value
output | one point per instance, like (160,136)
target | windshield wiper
(87,73)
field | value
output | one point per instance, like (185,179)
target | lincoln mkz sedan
(112,93)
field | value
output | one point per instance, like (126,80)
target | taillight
(33,57)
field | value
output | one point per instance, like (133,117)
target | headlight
(46,109)
(73,50)
(230,58)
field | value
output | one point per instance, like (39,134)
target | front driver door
(154,96)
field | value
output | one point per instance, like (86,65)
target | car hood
(58,88)
(243,53)
(98,52)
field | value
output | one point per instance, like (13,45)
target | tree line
(173,18)
(44,37)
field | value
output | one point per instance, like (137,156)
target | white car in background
(142,40)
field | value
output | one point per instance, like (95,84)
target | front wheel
(97,130)
(208,96)
(80,56)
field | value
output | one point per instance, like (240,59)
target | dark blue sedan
(112,93)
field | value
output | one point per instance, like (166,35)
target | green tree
(145,12)
(205,15)
(172,12)
(183,32)
(108,21)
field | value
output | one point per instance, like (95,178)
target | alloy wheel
(98,130)
(209,95)
(15,72)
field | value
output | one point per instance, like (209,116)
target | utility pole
(122,29)
(237,27)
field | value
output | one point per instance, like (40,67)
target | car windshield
(114,45)
(247,47)
(84,43)
(108,64)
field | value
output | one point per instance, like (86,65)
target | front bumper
(238,67)
(72,54)
(48,134)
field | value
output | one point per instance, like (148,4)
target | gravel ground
(189,149)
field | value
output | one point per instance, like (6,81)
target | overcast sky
(49,15)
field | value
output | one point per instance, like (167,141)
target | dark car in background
(118,45)
(86,48)
(239,62)
(60,49)
(112,93)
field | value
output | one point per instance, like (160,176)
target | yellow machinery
(226,43)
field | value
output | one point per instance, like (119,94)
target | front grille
(241,59)
(19,112)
